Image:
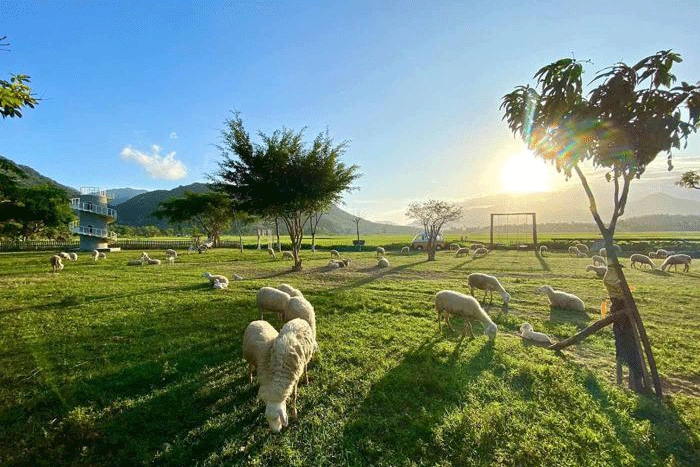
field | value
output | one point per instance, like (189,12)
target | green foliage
(690,179)
(36,211)
(211,212)
(15,94)
(433,214)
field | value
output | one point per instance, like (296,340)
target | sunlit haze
(523,173)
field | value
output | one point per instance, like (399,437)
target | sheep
(599,270)
(599,260)
(449,302)
(219,284)
(455,246)
(581,254)
(382,262)
(404,250)
(102,255)
(480,252)
(290,290)
(543,250)
(335,254)
(299,307)
(337,263)
(582,248)
(148,260)
(332,264)
(287,254)
(213,278)
(603,252)
(237,277)
(652,254)
(56,263)
(662,254)
(563,300)
(257,342)
(488,284)
(462,251)
(170,259)
(271,299)
(203,248)
(526,332)
(169,252)
(675,260)
(64,255)
(135,262)
(271,252)
(380,251)
(476,246)
(637,258)
(289,355)
(95,255)
(73,256)
(573,251)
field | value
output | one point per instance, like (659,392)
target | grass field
(104,364)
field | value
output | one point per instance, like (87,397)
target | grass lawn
(105,364)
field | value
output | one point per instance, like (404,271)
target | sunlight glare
(524,173)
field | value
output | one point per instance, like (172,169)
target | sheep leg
(447,320)
(468,325)
(306,373)
(293,407)
(483,300)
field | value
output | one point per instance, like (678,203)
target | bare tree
(313,226)
(433,214)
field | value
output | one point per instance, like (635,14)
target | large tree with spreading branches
(282,177)
(634,113)
(433,215)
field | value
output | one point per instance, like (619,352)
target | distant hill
(119,195)
(137,210)
(34,178)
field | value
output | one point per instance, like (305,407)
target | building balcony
(92,231)
(94,208)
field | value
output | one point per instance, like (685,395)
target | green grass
(105,364)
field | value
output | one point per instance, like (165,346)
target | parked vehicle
(420,242)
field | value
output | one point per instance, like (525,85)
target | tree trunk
(240,242)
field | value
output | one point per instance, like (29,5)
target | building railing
(92,207)
(92,231)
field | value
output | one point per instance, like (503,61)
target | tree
(15,94)
(689,179)
(35,210)
(620,127)
(433,215)
(314,219)
(283,177)
(211,212)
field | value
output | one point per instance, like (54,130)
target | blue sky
(136,93)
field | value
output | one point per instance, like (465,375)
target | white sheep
(543,250)
(675,260)
(488,284)
(170,259)
(148,260)
(652,254)
(599,260)
(462,251)
(479,252)
(170,252)
(95,255)
(56,263)
(333,264)
(291,291)
(257,343)
(573,251)
(219,284)
(404,250)
(526,332)
(337,263)
(287,254)
(599,270)
(380,251)
(73,256)
(213,278)
(135,262)
(203,248)
(335,254)
(563,300)
(102,255)
(455,246)
(449,302)
(237,277)
(642,259)
(662,254)
(382,262)
(271,299)
(290,353)
(299,307)
(191,249)
(64,255)
(582,248)
(476,246)
(271,252)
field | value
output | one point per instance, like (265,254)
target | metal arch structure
(495,218)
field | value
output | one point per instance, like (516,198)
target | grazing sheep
(563,300)
(543,250)
(332,264)
(203,248)
(662,254)
(642,259)
(290,290)
(287,254)
(573,251)
(102,255)
(271,252)
(257,342)
(480,252)
(383,262)
(380,251)
(462,251)
(599,260)
(580,247)
(289,355)
(404,250)
(212,278)
(337,263)
(652,254)
(299,307)
(191,249)
(64,255)
(599,270)
(170,259)
(455,246)
(581,254)
(335,254)
(219,285)
(73,256)
(56,263)
(95,255)
(169,252)
(488,284)
(271,299)
(449,302)
(675,260)
(476,246)
(604,253)
(526,332)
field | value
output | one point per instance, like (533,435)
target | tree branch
(591,200)
(576,338)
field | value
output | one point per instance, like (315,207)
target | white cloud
(157,166)
(173,135)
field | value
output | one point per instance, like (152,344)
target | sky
(136,94)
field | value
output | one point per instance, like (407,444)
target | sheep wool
(56,263)
(287,255)
(290,290)
(404,250)
(335,254)
(526,332)
(641,259)
(563,300)
(299,307)
(382,262)
(599,270)
(257,342)
(380,251)
(213,278)
(271,299)
(675,260)
(73,256)
(449,302)
(462,251)
(488,284)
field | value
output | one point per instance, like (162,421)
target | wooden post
(491,237)
(534,231)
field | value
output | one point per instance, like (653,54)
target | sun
(524,173)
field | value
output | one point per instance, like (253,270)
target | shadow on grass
(577,318)
(543,263)
(396,420)
(376,273)
(461,265)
